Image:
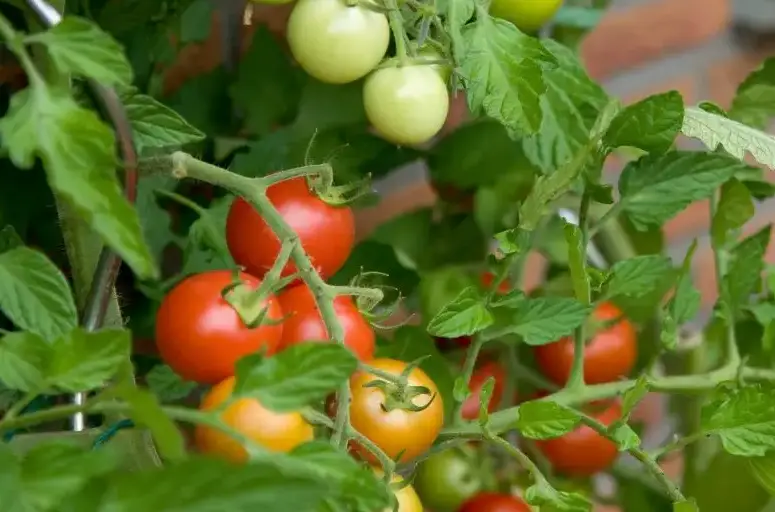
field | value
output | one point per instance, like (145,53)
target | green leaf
(23,358)
(155,125)
(354,487)
(476,154)
(85,360)
(724,483)
(545,319)
(763,469)
(743,419)
(48,474)
(198,485)
(542,494)
(466,315)
(652,124)
(295,377)
(503,72)
(544,419)
(267,87)
(167,385)
(570,106)
(735,208)
(155,220)
(655,188)
(577,262)
(638,276)
(746,264)
(146,411)
(78,46)
(738,139)
(625,437)
(754,103)
(324,106)
(683,305)
(35,295)
(633,395)
(77,150)
(685,506)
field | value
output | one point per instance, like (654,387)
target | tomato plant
(210,299)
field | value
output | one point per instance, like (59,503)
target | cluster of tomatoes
(447,480)
(201,336)
(405,99)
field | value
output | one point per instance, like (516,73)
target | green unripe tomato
(445,481)
(527,15)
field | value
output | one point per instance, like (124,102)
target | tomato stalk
(397,27)
(576,379)
(644,458)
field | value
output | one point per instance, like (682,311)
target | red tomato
(303,322)
(609,356)
(489,369)
(326,232)
(201,336)
(583,452)
(488,277)
(494,502)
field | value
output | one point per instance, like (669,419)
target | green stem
(254,190)
(612,213)
(468,369)
(504,420)
(576,379)
(678,444)
(374,294)
(521,457)
(19,406)
(397,27)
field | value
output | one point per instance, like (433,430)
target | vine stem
(468,369)
(397,27)
(504,420)
(649,462)
(576,379)
(254,190)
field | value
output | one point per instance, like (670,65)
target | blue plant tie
(111,431)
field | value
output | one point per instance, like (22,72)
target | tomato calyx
(373,306)
(339,195)
(400,395)
(249,304)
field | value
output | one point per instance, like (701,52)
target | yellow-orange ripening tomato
(396,430)
(279,432)
(527,15)
(408,501)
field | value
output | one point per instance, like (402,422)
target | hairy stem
(576,379)
(468,369)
